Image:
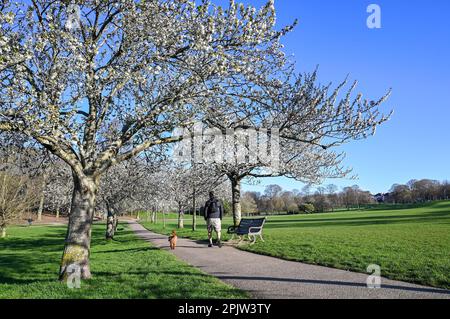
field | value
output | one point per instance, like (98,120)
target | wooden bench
(251,227)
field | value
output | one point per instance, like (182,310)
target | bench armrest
(251,229)
(232,229)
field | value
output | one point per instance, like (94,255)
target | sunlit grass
(124,268)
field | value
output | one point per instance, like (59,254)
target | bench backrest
(246,223)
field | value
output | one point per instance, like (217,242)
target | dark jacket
(213,208)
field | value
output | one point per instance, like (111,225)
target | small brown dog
(173,240)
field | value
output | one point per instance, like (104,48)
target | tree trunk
(115,222)
(110,229)
(112,222)
(3,232)
(236,200)
(181,218)
(194,212)
(42,198)
(78,237)
(164,220)
(57,212)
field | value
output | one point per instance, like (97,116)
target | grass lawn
(411,244)
(125,268)
(146,216)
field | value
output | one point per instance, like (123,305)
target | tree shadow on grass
(429,205)
(162,291)
(130,250)
(24,269)
(54,242)
(147,272)
(22,259)
(171,284)
(34,258)
(29,245)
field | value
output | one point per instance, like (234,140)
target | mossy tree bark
(110,222)
(78,238)
(110,227)
(236,199)
(116,222)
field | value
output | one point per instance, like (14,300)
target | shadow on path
(330,282)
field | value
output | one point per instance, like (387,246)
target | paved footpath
(269,277)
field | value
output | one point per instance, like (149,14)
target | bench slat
(246,223)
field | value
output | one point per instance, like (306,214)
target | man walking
(213,217)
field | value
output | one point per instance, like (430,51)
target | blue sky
(410,54)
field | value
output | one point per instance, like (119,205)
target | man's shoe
(209,245)
(219,243)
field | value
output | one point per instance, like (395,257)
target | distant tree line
(325,198)
(416,191)
(275,200)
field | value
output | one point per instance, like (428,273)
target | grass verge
(411,244)
(124,268)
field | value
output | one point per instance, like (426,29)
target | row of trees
(33,181)
(416,191)
(276,200)
(111,86)
(19,188)
(327,198)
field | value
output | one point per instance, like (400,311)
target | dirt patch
(46,219)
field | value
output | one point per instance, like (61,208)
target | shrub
(306,208)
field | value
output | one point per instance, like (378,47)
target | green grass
(145,216)
(199,234)
(411,244)
(125,268)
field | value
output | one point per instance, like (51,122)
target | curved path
(269,277)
